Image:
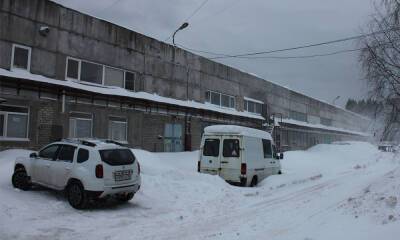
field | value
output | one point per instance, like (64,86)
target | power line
(190,16)
(223,55)
(220,12)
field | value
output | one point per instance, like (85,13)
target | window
(253,106)
(117,157)
(13,122)
(21,57)
(231,148)
(66,153)
(91,72)
(267,148)
(118,128)
(298,116)
(326,121)
(81,70)
(220,99)
(130,81)
(49,152)
(72,68)
(211,147)
(113,77)
(83,155)
(80,126)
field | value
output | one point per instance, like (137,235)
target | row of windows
(326,121)
(100,74)
(82,127)
(81,70)
(231,148)
(299,116)
(220,99)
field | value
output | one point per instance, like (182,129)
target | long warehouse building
(67,74)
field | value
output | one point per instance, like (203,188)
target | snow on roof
(117,91)
(253,100)
(320,126)
(237,130)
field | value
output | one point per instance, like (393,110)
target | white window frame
(103,70)
(134,81)
(246,107)
(80,118)
(116,121)
(220,99)
(5,125)
(29,57)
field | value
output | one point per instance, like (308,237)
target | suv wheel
(125,197)
(77,196)
(21,180)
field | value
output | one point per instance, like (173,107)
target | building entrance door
(173,137)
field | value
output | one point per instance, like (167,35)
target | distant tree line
(369,107)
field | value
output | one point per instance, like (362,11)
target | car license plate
(123,175)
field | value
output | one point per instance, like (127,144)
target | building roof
(117,91)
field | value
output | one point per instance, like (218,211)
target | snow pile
(339,191)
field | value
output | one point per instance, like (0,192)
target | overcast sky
(240,26)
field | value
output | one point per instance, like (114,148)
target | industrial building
(67,74)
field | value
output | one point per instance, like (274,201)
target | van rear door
(210,157)
(231,158)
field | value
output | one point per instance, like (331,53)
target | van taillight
(138,167)
(99,171)
(243,169)
(198,166)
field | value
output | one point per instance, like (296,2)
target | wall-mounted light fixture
(44,30)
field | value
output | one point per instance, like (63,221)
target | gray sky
(240,26)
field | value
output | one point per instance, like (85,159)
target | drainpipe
(63,102)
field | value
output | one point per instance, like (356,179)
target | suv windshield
(115,157)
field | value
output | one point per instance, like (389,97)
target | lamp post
(334,100)
(183,26)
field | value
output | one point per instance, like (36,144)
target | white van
(240,155)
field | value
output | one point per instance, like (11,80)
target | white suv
(85,169)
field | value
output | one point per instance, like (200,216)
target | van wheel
(77,197)
(20,180)
(254,181)
(125,197)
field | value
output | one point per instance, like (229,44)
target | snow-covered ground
(337,191)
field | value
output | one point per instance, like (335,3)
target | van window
(211,147)
(267,148)
(231,148)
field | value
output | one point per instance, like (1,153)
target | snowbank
(337,191)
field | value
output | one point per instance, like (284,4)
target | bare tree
(380,59)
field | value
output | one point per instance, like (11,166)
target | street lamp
(183,26)
(334,100)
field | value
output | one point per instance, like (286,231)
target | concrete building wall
(160,68)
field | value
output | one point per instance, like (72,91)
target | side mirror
(33,155)
(280,155)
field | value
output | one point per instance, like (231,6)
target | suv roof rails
(79,141)
(114,142)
